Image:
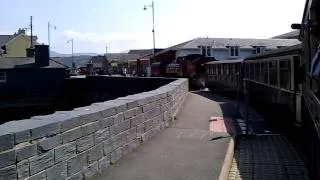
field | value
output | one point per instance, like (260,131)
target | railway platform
(197,147)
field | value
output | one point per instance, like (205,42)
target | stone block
(104,163)
(77,176)
(107,147)
(120,105)
(25,150)
(156,120)
(148,125)
(125,150)
(41,162)
(23,169)
(90,128)
(68,120)
(49,143)
(85,143)
(91,171)
(107,122)
(133,145)
(39,176)
(77,163)
(115,130)
(148,107)
(129,113)
(8,173)
(48,125)
(72,135)
(123,126)
(118,118)
(116,155)
(131,134)
(119,140)
(130,101)
(102,135)
(95,153)
(152,113)
(89,113)
(6,140)
(7,158)
(65,152)
(140,129)
(57,172)
(136,120)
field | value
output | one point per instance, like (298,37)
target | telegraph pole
(31,45)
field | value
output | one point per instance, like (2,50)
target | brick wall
(83,142)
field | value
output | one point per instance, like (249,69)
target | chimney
(21,31)
(42,55)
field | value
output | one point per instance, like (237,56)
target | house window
(234,51)
(3,77)
(258,50)
(203,50)
(206,51)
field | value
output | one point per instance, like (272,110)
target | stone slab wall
(81,143)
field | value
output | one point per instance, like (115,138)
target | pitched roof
(121,57)
(23,62)
(98,61)
(289,35)
(144,52)
(4,39)
(242,43)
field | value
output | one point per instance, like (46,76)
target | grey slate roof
(98,61)
(4,39)
(242,43)
(289,35)
(23,62)
(121,57)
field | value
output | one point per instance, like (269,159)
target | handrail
(313,106)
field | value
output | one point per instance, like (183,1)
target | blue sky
(123,25)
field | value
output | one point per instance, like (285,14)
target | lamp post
(49,26)
(153,32)
(73,64)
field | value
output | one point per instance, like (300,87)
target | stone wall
(81,143)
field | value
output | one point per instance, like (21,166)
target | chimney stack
(42,55)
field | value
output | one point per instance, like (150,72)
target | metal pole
(31,32)
(73,65)
(153,31)
(49,34)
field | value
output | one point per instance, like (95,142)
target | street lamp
(49,26)
(73,64)
(154,39)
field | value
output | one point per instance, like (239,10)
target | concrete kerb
(227,163)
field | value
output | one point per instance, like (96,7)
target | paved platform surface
(266,157)
(185,151)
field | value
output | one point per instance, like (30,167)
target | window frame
(234,51)
(4,75)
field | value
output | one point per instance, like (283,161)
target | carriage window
(273,73)
(285,74)
(257,71)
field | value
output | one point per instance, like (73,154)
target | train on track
(280,86)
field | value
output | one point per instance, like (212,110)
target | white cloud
(104,37)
